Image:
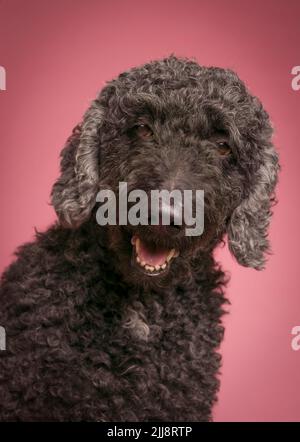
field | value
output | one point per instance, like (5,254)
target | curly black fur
(88,336)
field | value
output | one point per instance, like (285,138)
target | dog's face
(173,125)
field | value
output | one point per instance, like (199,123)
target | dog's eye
(143,131)
(223,148)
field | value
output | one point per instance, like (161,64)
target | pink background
(58,54)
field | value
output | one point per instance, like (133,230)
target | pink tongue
(152,257)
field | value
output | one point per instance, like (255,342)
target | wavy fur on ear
(247,230)
(74,193)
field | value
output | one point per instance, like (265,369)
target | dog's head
(172,124)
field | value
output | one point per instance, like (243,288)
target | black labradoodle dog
(123,322)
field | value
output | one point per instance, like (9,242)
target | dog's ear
(247,229)
(74,193)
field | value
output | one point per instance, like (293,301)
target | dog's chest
(155,360)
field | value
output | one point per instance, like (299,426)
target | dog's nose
(172,215)
(168,218)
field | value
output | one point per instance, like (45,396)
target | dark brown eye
(223,148)
(143,131)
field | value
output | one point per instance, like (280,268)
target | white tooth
(176,254)
(138,259)
(164,266)
(157,267)
(143,264)
(149,268)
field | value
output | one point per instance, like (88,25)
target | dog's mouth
(151,259)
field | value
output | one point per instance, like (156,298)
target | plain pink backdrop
(59,53)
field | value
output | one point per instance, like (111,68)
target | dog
(123,322)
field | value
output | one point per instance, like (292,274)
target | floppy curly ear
(74,193)
(247,230)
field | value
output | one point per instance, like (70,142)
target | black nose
(170,218)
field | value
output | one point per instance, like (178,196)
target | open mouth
(151,259)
